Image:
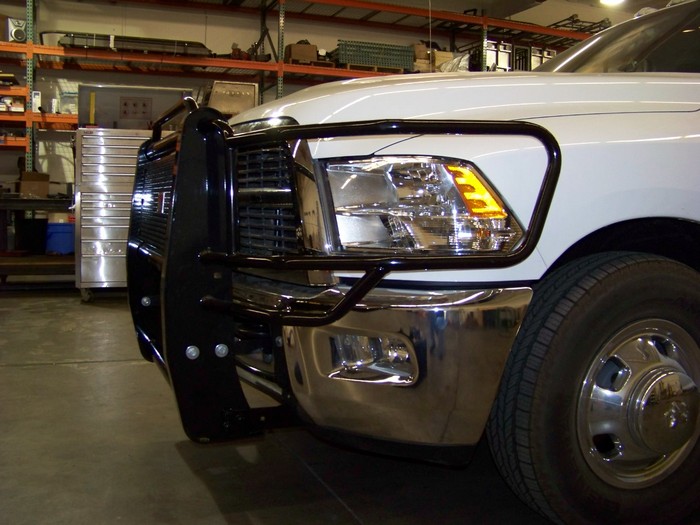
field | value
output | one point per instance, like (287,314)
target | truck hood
(477,96)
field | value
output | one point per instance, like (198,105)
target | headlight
(418,204)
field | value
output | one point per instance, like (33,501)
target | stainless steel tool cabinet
(104,175)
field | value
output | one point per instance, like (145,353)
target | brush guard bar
(180,278)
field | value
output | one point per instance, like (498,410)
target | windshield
(667,40)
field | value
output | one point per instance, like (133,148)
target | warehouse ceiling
(587,15)
(542,12)
(512,8)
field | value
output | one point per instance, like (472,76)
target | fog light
(372,359)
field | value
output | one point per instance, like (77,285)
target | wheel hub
(664,410)
(639,406)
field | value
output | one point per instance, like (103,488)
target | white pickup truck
(409,263)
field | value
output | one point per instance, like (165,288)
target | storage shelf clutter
(36,243)
(60,238)
(33,232)
(352,52)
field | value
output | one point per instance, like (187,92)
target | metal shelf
(15,143)
(19,263)
(155,64)
(14,91)
(14,119)
(382,16)
(14,116)
(342,12)
(36,204)
(35,265)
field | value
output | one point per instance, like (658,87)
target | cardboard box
(59,217)
(440,57)
(33,185)
(420,52)
(422,66)
(301,52)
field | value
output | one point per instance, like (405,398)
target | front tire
(598,415)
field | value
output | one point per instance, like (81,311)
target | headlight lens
(418,204)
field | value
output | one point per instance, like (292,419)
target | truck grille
(265,206)
(152,201)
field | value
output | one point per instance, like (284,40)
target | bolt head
(192,352)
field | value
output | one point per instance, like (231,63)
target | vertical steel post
(280,47)
(484,47)
(261,49)
(29,70)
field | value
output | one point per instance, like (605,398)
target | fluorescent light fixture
(611,3)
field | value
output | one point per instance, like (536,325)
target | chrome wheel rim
(638,409)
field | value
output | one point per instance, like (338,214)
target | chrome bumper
(460,341)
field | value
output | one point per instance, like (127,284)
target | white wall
(14,9)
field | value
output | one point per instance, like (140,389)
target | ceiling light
(611,3)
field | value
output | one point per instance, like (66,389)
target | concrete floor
(89,433)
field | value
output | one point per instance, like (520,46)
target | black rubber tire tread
(509,429)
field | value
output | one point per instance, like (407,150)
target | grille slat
(267,217)
(152,202)
(251,227)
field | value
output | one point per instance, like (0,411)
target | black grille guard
(181,296)
(376,268)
